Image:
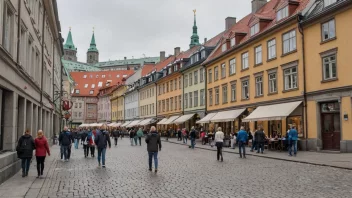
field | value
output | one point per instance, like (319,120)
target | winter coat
(259,136)
(65,138)
(193,134)
(132,133)
(115,133)
(41,146)
(242,136)
(140,133)
(102,139)
(25,147)
(293,135)
(153,142)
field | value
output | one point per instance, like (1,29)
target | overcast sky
(136,27)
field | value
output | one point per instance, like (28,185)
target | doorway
(331,126)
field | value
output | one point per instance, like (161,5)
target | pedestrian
(91,142)
(179,134)
(153,146)
(233,140)
(259,137)
(24,150)
(254,141)
(193,137)
(131,132)
(135,138)
(65,140)
(84,141)
(185,136)
(292,139)
(76,137)
(102,140)
(115,134)
(140,135)
(41,149)
(120,133)
(241,140)
(219,142)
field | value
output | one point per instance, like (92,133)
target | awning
(272,112)
(133,123)
(227,116)
(207,118)
(162,121)
(126,123)
(117,124)
(183,118)
(111,124)
(145,122)
(171,119)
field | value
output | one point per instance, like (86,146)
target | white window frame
(216,73)
(255,29)
(223,70)
(233,92)
(190,94)
(77,91)
(291,78)
(8,25)
(186,100)
(329,2)
(186,80)
(272,79)
(328,30)
(232,67)
(329,64)
(202,97)
(224,93)
(100,84)
(195,73)
(245,89)
(217,95)
(84,76)
(190,76)
(210,97)
(289,42)
(202,54)
(210,76)
(233,41)
(195,96)
(282,13)
(93,86)
(259,86)
(258,55)
(201,76)
(245,60)
(86,86)
(223,47)
(271,49)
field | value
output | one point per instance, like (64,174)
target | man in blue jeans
(153,146)
(65,140)
(292,139)
(242,137)
(102,140)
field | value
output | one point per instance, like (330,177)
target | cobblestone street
(183,173)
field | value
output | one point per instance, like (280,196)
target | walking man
(241,140)
(259,137)
(65,140)
(219,142)
(193,137)
(292,139)
(153,146)
(115,134)
(140,135)
(102,140)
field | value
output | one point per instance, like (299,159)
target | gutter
(41,79)
(19,31)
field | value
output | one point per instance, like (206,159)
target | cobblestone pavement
(190,173)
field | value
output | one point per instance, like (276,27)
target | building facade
(132,97)
(104,104)
(30,80)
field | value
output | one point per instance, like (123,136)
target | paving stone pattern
(191,173)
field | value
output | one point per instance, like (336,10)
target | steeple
(69,43)
(194,37)
(70,51)
(93,53)
(93,46)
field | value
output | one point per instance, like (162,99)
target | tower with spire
(70,51)
(194,37)
(92,53)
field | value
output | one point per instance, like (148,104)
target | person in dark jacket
(192,135)
(84,141)
(66,140)
(131,132)
(153,146)
(76,135)
(24,150)
(140,134)
(259,137)
(115,134)
(179,134)
(241,140)
(102,140)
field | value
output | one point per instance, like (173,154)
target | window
(281,14)
(167,87)
(77,91)
(100,84)
(216,73)
(171,85)
(245,89)
(86,86)
(195,77)
(163,105)
(223,70)
(232,68)
(80,105)
(202,54)
(216,95)
(329,2)
(233,41)
(190,79)
(289,42)
(272,83)
(272,49)
(328,30)
(201,75)
(91,92)
(186,81)
(259,86)
(196,57)
(258,55)
(179,83)
(175,103)
(76,105)
(93,86)
(186,100)
(190,99)
(167,104)
(290,78)
(329,67)
(159,104)
(223,47)
(202,97)
(224,94)
(210,97)
(195,99)
(233,92)
(179,102)
(171,104)
(254,29)
(210,76)
(175,81)
(245,63)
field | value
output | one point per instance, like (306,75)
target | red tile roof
(188,53)
(267,12)
(83,79)
(147,68)
(106,90)
(162,64)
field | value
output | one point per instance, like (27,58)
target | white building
(132,96)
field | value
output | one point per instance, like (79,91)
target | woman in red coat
(42,147)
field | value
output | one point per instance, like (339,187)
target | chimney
(177,51)
(162,56)
(205,40)
(229,22)
(125,58)
(257,4)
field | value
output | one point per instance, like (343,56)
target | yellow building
(117,100)
(113,101)
(255,75)
(327,37)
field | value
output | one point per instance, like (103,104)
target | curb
(275,158)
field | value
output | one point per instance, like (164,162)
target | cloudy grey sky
(136,27)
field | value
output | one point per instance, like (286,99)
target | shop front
(330,125)
(229,121)
(205,122)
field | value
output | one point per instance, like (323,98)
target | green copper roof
(93,46)
(71,66)
(69,43)
(127,61)
(194,37)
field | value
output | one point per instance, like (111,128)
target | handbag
(85,141)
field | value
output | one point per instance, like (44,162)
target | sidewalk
(30,186)
(339,160)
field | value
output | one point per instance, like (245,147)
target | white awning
(145,122)
(272,112)
(171,119)
(162,121)
(183,118)
(207,118)
(125,124)
(227,116)
(117,124)
(133,123)
(111,124)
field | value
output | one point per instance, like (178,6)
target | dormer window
(175,68)
(282,13)
(84,76)
(202,54)
(196,58)
(254,29)
(77,91)
(329,2)
(91,92)
(233,41)
(170,70)
(223,47)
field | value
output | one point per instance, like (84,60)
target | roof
(93,46)
(267,12)
(162,64)
(69,42)
(78,66)
(317,8)
(106,90)
(188,53)
(147,68)
(139,61)
(90,81)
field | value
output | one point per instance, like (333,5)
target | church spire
(93,46)
(194,37)
(69,42)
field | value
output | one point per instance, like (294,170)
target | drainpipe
(41,80)
(300,28)
(19,31)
